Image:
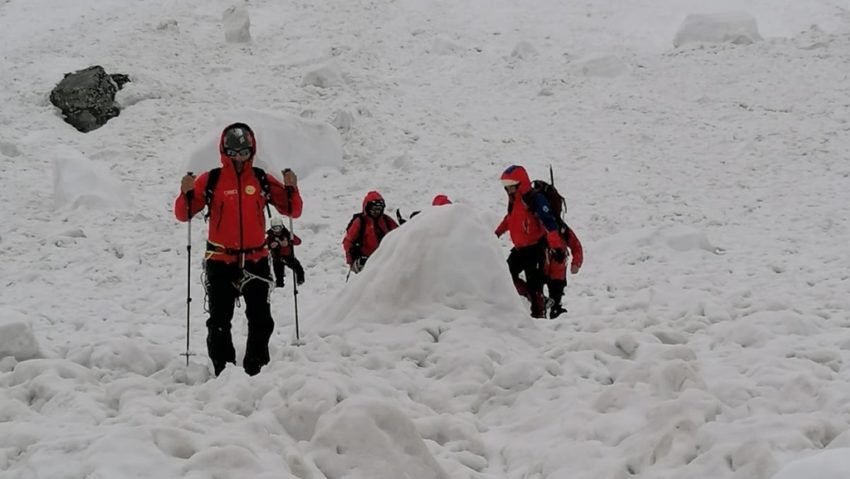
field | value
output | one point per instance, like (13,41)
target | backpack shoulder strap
(264,181)
(361,225)
(212,181)
(530,196)
(380,231)
(539,205)
(358,243)
(362,233)
(264,187)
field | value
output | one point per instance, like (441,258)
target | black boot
(252,365)
(218,367)
(538,305)
(220,347)
(556,310)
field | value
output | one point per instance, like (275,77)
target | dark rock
(87,97)
(120,79)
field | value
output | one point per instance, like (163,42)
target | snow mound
(16,336)
(641,244)
(9,149)
(80,182)
(283,141)
(679,238)
(739,28)
(368,438)
(602,65)
(444,258)
(832,464)
(120,354)
(237,25)
(324,76)
(524,50)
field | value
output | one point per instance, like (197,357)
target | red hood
(371,196)
(227,162)
(441,200)
(518,173)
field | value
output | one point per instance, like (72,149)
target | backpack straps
(539,205)
(212,181)
(357,248)
(264,187)
(380,232)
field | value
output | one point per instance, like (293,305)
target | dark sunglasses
(234,153)
(375,206)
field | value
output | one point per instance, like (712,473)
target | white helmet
(277,222)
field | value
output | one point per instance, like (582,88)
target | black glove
(357,264)
(401,220)
(558,255)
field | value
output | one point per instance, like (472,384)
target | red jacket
(524,224)
(280,244)
(237,220)
(374,232)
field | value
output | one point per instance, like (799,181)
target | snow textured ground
(707,334)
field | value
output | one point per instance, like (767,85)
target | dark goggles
(233,153)
(376,206)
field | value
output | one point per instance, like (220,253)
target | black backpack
(212,181)
(556,201)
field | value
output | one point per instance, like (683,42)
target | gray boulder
(87,97)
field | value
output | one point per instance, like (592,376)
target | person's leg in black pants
(258,311)
(534,257)
(516,264)
(222,298)
(279,271)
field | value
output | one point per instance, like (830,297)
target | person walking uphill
(532,228)
(236,258)
(366,230)
(280,242)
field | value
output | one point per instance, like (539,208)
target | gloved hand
(289,178)
(558,255)
(574,269)
(187,183)
(358,264)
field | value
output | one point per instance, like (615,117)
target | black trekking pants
(556,289)
(528,259)
(222,289)
(279,270)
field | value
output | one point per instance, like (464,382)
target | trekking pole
(188,270)
(552,182)
(294,280)
(294,283)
